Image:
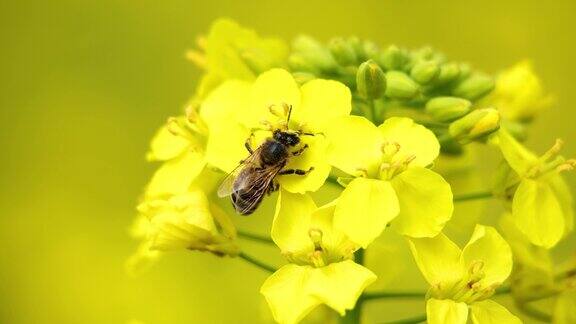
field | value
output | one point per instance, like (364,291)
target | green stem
(334,180)
(256,262)
(352,316)
(535,313)
(255,237)
(503,291)
(473,196)
(400,294)
(417,319)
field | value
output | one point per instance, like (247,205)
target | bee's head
(286,138)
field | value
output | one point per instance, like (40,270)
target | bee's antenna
(289,114)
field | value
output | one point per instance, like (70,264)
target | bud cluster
(387,80)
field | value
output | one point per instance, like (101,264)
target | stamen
(316,237)
(198,58)
(568,165)
(553,151)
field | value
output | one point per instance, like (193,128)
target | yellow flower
(237,109)
(462,281)
(388,164)
(179,145)
(231,51)
(519,94)
(321,271)
(542,205)
(189,221)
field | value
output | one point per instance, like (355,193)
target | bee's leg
(298,152)
(295,171)
(248,143)
(274,186)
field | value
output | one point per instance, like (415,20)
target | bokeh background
(84,85)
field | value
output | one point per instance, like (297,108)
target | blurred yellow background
(84,85)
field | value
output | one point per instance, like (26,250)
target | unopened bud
(474,87)
(475,125)
(370,80)
(313,53)
(299,63)
(448,73)
(424,72)
(303,77)
(256,61)
(393,58)
(343,52)
(400,86)
(445,109)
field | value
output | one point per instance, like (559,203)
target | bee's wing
(227,185)
(258,187)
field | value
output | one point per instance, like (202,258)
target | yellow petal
(225,148)
(564,197)
(564,309)
(292,222)
(225,103)
(414,139)
(274,87)
(490,312)
(339,285)
(355,143)
(438,259)
(517,156)
(286,293)
(537,213)
(425,202)
(166,146)
(364,208)
(175,176)
(489,248)
(313,157)
(446,311)
(322,101)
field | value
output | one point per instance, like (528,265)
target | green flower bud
(298,63)
(369,50)
(393,58)
(424,71)
(448,72)
(475,125)
(447,108)
(474,87)
(400,86)
(370,80)
(343,52)
(303,77)
(313,53)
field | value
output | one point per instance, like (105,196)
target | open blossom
(391,180)
(179,145)
(189,221)
(462,281)
(519,94)
(240,110)
(542,205)
(321,270)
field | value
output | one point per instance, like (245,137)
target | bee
(256,175)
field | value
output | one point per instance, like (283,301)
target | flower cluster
(366,131)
